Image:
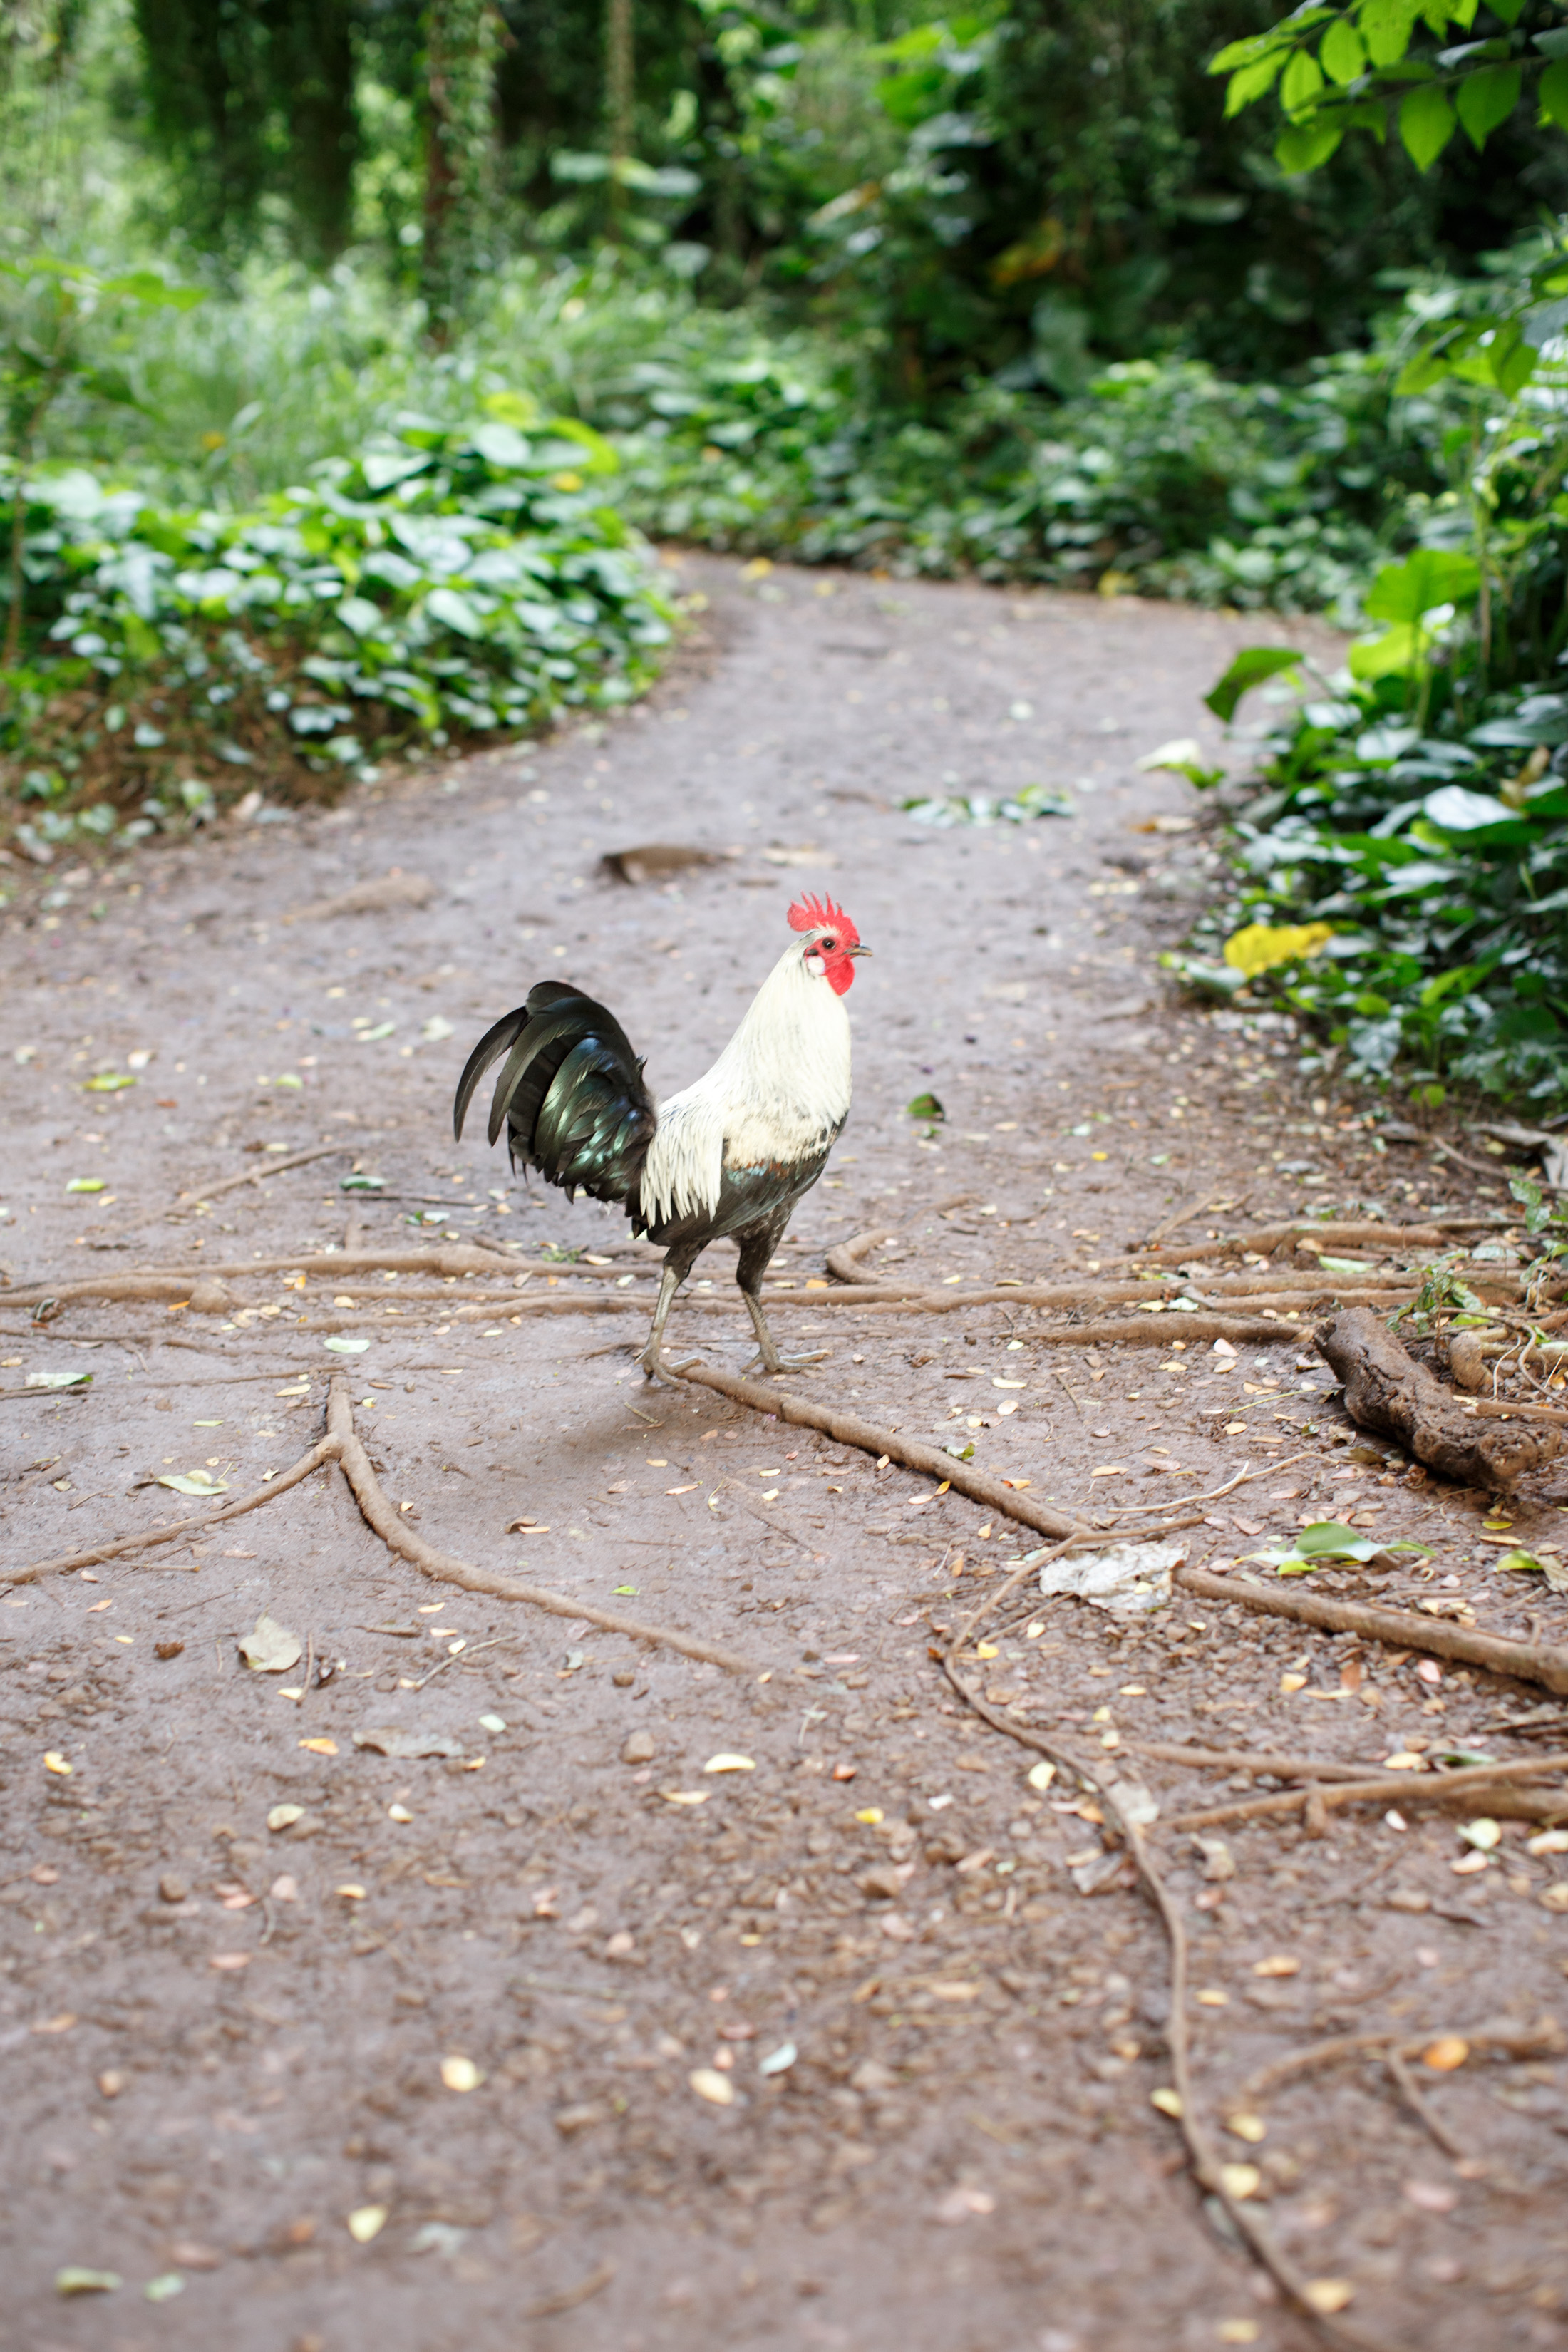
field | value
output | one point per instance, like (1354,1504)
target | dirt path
(221,2040)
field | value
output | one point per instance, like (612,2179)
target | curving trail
(223,2039)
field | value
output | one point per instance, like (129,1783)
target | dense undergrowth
(299,539)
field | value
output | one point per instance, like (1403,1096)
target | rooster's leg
(757,1246)
(679,1259)
(669,1283)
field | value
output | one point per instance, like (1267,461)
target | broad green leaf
(1431,576)
(1510,11)
(1251,82)
(1386,27)
(1485,99)
(1332,1540)
(1553,93)
(1427,124)
(1393,654)
(925,1107)
(1304,79)
(1343,53)
(1247,52)
(1250,668)
(1554,44)
(1307,145)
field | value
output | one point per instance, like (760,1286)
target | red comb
(822,915)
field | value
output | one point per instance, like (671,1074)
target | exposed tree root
(1118,1801)
(848,1429)
(345,1444)
(1398,1629)
(1544,2041)
(1386,1390)
(1476,1782)
(184,1531)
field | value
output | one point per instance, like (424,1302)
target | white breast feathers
(778,1095)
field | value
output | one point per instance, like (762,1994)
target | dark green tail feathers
(571,1093)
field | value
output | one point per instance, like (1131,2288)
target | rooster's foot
(778,1363)
(652,1368)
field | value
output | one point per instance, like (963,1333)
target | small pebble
(173,1889)
(638,1748)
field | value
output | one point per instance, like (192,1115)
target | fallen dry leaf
(366,2222)
(1277,1964)
(1444,2056)
(710,2084)
(460,2073)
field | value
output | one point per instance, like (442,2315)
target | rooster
(729,1155)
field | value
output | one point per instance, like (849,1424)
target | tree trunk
(620,92)
(460,68)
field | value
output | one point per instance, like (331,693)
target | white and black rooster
(729,1155)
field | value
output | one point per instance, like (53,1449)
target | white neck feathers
(778,1095)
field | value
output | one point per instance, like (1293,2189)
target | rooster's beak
(858,952)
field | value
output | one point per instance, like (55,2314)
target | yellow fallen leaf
(320,1747)
(710,2084)
(1212,1997)
(1288,1683)
(1277,1964)
(1448,2052)
(1110,1470)
(461,2074)
(1257,946)
(684,1796)
(1040,1775)
(1403,1762)
(870,1816)
(729,1764)
(367,2222)
(283,1817)
(987,1650)
(1251,2128)
(1169,2102)
(1329,2296)
(1240,2180)
(350,1893)
(55,1762)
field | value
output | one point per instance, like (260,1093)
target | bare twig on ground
(1542,2040)
(1475,1782)
(1405,2082)
(1398,1629)
(1242,1760)
(1193,1208)
(264,1169)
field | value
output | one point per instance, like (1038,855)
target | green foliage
(441,583)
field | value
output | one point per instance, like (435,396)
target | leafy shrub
(441,583)
(1423,829)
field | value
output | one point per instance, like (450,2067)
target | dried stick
(343,1442)
(258,1174)
(1241,1760)
(1399,1629)
(185,1531)
(1394,1237)
(1475,1781)
(848,1429)
(1206,2160)
(1405,2082)
(1502,1407)
(1545,2039)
